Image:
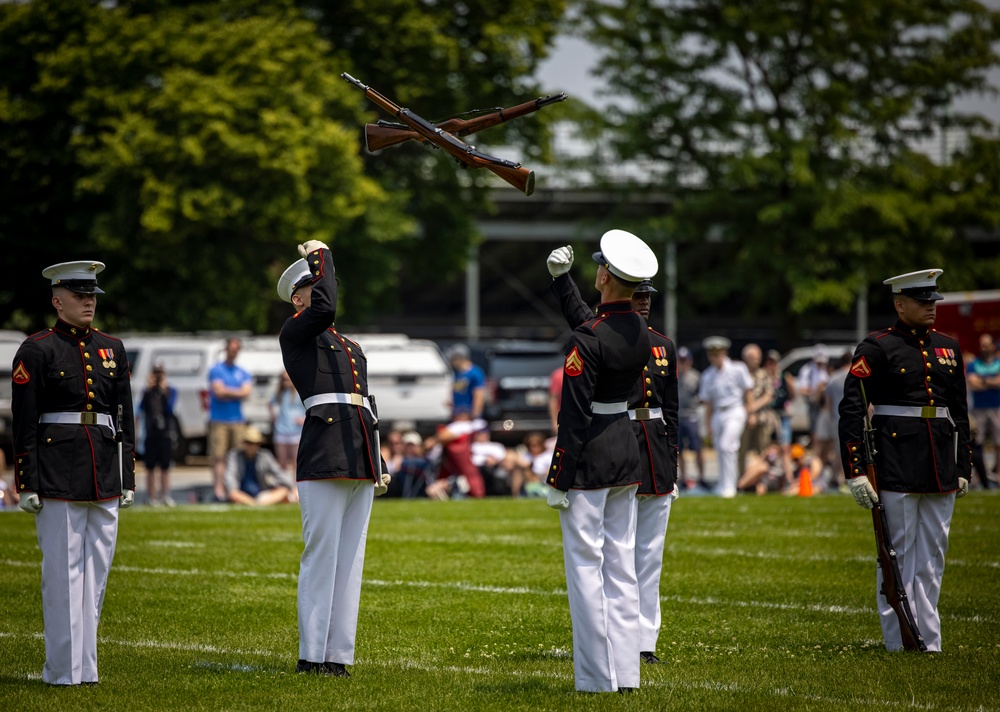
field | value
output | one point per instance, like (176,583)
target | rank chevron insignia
(574,364)
(21,375)
(861,369)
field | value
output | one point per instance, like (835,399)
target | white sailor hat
(716,343)
(920,285)
(626,256)
(80,277)
(297,275)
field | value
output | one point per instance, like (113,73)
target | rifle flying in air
(445,135)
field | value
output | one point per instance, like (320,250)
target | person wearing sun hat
(72,406)
(914,379)
(595,469)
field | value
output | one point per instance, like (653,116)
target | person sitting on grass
(253,476)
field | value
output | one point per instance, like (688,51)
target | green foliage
(191,145)
(787,128)
(767,603)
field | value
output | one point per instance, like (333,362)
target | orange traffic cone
(805,483)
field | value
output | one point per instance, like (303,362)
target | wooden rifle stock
(383,134)
(518,176)
(892,580)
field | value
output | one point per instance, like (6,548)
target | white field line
(708,686)
(518,591)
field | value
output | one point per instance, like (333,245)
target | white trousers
(77,540)
(919,526)
(727,431)
(335,516)
(653,514)
(598,531)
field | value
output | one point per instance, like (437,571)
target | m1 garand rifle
(514,173)
(892,580)
(383,134)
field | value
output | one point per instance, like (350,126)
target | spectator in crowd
(760,424)
(725,390)
(984,384)
(492,460)
(688,428)
(253,475)
(228,386)
(555,397)
(469,394)
(457,476)
(784,391)
(287,416)
(532,465)
(156,411)
(767,471)
(834,393)
(811,382)
(8,494)
(392,450)
(415,467)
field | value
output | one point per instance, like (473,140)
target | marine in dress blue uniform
(69,382)
(596,470)
(652,408)
(914,378)
(337,465)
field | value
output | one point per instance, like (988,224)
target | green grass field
(768,603)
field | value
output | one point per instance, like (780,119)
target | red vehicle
(967,315)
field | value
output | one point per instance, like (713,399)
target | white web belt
(79,419)
(598,408)
(645,414)
(341,398)
(914,411)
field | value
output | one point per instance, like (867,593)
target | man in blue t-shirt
(470,383)
(228,386)
(984,384)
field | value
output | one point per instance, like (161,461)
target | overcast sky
(569,68)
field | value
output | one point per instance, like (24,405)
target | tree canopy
(787,129)
(191,145)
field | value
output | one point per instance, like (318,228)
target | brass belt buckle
(357,399)
(642,413)
(88,418)
(928,411)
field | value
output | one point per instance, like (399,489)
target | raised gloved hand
(126,499)
(311,246)
(963,488)
(30,503)
(559,261)
(557,499)
(384,487)
(675,493)
(864,494)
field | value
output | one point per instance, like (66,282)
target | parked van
(410,379)
(10,342)
(187,359)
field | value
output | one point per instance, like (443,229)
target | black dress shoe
(648,656)
(335,669)
(89,683)
(306,666)
(627,690)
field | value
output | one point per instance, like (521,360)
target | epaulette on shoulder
(881,332)
(41,334)
(654,331)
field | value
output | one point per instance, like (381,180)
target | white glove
(963,488)
(557,499)
(311,246)
(384,487)
(30,503)
(675,493)
(126,500)
(560,260)
(864,494)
